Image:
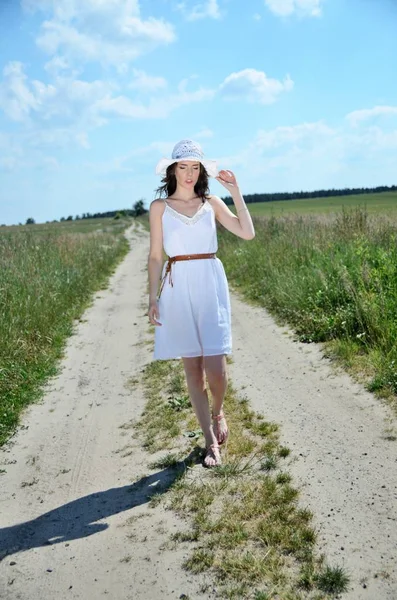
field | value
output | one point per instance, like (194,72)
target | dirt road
(74,516)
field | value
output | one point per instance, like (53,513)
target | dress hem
(173,357)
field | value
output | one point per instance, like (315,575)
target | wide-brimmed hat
(187,150)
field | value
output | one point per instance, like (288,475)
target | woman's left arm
(240,223)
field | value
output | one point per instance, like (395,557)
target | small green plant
(262,596)
(270,463)
(333,580)
(283,478)
(169,460)
(155,500)
(200,561)
(179,402)
(284,452)
(307,577)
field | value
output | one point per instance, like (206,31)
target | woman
(191,311)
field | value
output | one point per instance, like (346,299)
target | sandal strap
(213,446)
(218,417)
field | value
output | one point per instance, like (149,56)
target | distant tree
(70,218)
(138,208)
(30,221)
(62,219)
(77,218)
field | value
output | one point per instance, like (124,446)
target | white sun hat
(187,150)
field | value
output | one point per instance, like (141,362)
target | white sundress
(195,312)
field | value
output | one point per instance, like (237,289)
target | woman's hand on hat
(227,179)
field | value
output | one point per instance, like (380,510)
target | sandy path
(73,500)
(344,463)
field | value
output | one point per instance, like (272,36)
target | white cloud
(64,111)
(16,98)
(358,116)
(57,64)
(147,83)
(16,154)
(56,114)
(111,32)
(65,98)
(157,108)
(297,134)
(194,12)
(286,147)
(68,9)
(254,86)
(313,155)
(285,8)
(49,162)
(57,137)
(134,161)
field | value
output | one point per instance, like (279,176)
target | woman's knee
(194,371)
(215,369)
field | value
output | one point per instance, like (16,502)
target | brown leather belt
(173,259)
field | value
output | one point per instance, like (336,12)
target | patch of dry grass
(246,526)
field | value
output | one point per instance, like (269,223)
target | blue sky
(289,94)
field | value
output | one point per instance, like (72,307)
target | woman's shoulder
(213,198)
(157,206)
(214,201)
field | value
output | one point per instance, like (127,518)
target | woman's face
(187,173)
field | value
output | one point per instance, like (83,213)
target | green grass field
(103,225)
(333,280)
(374,204)
(48,275)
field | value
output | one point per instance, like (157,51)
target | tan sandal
(211,450)
(224,433)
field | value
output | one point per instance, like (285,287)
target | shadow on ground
(78,519)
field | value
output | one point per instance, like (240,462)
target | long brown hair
(168,187)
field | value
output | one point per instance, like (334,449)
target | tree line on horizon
(272,197)
(137,210)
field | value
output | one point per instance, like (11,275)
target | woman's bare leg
(216,370)
(195,379)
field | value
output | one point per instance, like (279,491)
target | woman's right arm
(155,260)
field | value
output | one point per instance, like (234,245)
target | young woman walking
(191,310)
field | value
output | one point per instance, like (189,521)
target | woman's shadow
(78,519)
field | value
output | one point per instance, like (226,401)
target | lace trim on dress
(184,218)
